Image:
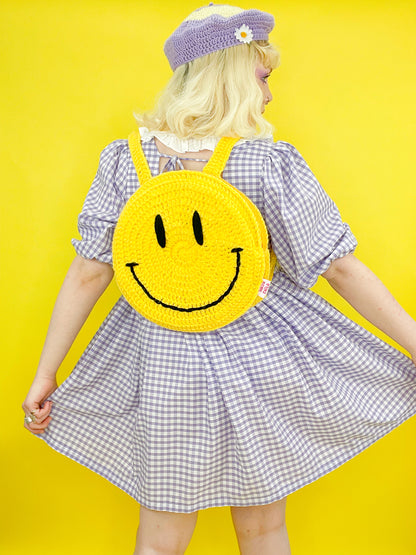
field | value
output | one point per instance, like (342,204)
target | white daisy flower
(244,34)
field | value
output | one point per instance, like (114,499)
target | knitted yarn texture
(190,251)
(213,28)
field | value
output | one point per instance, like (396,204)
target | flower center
(244,34)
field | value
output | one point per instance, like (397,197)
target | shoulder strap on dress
(139,159)
(219,158)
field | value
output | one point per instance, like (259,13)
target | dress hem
(97,469)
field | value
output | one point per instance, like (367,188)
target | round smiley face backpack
(190,251)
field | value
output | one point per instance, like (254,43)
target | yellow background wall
(344,95)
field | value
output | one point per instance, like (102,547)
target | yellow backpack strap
(139,159)
(219,158)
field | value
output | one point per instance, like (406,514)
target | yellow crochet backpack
(190,251)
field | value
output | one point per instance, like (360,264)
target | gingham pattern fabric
(246,414)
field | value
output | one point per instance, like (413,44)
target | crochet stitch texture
(214,28)
(190,251)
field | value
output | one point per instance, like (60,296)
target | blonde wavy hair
(215,95)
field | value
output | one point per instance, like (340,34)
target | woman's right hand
(84,283)
(41,388)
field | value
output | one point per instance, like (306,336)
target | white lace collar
(176,144)
(183,145)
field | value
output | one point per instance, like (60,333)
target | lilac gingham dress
(246,414)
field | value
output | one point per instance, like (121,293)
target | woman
(248,413)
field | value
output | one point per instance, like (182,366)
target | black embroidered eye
(160,231)
(196,222)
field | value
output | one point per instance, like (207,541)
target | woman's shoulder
(114,164)
(115,154)
(115,148)
(265,148)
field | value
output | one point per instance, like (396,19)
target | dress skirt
(243,415)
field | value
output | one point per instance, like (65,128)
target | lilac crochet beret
(213,28)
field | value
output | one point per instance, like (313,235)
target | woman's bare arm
(364,291)
(84,283)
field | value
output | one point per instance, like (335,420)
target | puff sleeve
(102,207)
(305,226)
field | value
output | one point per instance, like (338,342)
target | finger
(38,426)
(43,424)
(36,432)
(33,431)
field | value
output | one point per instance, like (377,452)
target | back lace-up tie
(173,160)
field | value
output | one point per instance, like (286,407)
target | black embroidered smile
(237,250)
